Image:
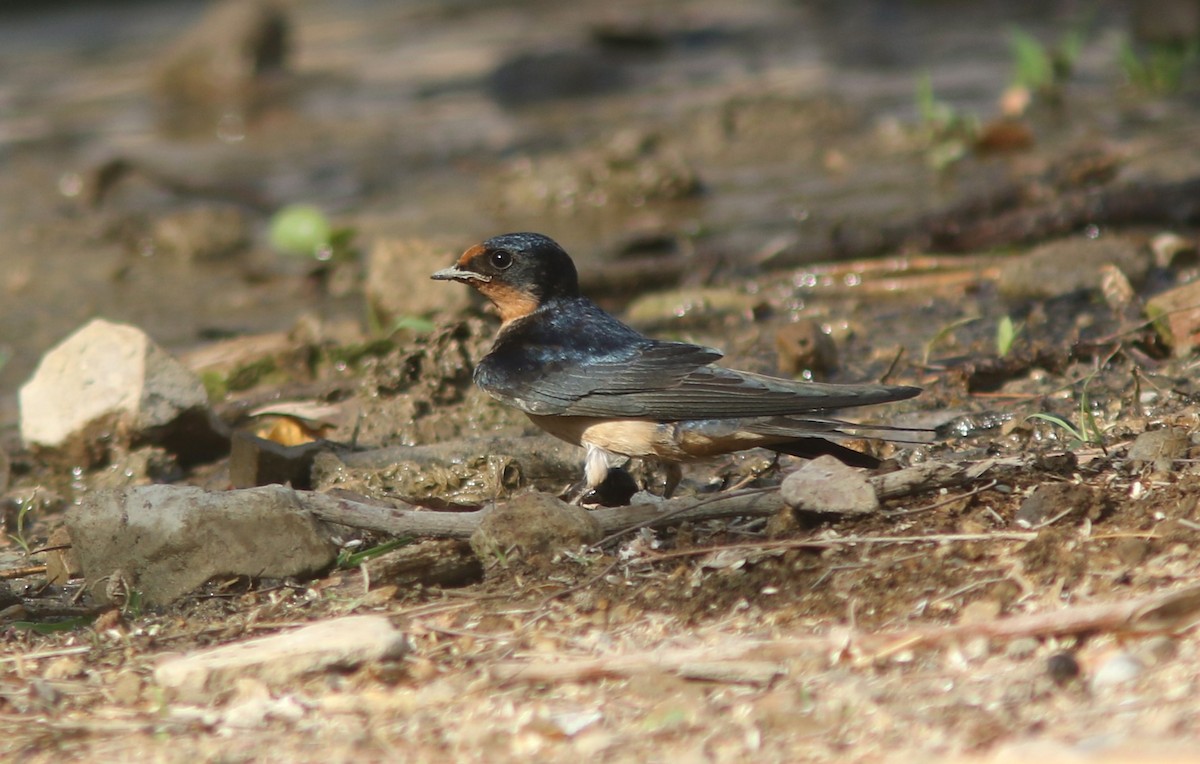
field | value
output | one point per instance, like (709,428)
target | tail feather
(811,448)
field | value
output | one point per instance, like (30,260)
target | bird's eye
(500,259)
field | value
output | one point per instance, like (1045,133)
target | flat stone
(277,659)
(107,372)
(826,485)
(1159,448)
(165,541)
(1069,265)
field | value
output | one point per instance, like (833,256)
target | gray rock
(534,527)
(165,541)
(828,486)
(276,659)
(537,76)
(1069,265)
(1159,448)
(106,372)
(1058,501)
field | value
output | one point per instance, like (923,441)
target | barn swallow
(585,377)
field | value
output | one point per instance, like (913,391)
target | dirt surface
(723,173)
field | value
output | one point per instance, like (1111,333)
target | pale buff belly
(673,441)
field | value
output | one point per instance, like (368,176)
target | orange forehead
(470,255)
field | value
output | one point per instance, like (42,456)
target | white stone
(279,658)
(102,370)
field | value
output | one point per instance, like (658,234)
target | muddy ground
(729,174)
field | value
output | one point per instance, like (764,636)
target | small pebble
(1062,668)
(1020,649)
(1118,668)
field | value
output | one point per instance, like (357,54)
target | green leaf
(300,230)
(1034,68)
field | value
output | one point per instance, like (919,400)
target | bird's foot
(615,490)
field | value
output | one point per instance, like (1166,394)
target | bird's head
(518,272)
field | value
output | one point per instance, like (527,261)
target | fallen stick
(407,519)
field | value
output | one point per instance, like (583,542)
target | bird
(583,376)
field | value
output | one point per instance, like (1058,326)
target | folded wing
(672,381)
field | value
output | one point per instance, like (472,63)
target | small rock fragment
(114,375)
(1176,316)
(826,485)
(1051,501)
(1021,648)
(276,659)
(165,541)
(1118,668)
(804,346)
(534,526)
(980,611)
(1118,293)
(1159,448)
(127,688)
(395,268)
(65,667)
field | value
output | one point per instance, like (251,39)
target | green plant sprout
(1006,334)
(1160,70)
(348,559)
(1038,67)
(1088,431)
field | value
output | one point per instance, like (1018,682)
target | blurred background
(208,169)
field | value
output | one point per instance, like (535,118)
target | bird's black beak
(454,273)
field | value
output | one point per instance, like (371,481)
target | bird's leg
(595,470)
(674,474)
